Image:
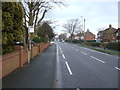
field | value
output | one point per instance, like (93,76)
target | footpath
(40,73)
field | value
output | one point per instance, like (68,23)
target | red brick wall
(18,58)
(25,56)
(10,62)
(89,37)
(34,51)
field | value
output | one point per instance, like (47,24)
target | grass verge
(101,50)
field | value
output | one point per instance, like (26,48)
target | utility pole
(84,30)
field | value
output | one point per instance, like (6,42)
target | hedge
(37,40)
(113,46)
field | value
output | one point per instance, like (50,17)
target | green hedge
(91,40)
(77,41)
(94,44)
(113,46)
(37,40)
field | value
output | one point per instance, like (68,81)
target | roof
(108,30)
(88,33)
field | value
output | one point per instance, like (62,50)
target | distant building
(89,35)
(78,36)
(107,35)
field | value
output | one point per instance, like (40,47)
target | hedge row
(113,46)
(110,45)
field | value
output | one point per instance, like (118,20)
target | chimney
(110,26)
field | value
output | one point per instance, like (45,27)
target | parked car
(63,41)
(52,42)
(19,43)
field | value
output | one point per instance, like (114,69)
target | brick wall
(18,58)
(10,62)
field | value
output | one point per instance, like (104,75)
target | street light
(83,23)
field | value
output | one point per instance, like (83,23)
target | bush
(37,40)
(94,44)
(113,46)
(91,40)
(77,41)
(7,49)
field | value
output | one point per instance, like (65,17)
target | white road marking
(117,57)
(76,49)
(61,51)
(72,47)
(117,68)
(98,59)
(63,56)
(68,68)
(83,52)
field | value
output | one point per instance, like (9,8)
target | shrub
(95,44)
(37,40)
(77,41)
(91,40)
(113,46)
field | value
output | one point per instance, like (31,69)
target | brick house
(89,35)
(107,35)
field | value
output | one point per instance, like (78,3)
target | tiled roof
(88,33)
(108,30)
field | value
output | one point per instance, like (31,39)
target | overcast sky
(97,14)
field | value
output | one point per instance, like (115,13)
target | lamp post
(83,24)
(84,30)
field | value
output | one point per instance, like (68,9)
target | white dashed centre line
(98,59)
(61,51)
(63,56)
(68,67)
(83,52)
(117,68)
(76,49)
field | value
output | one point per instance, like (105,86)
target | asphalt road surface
(81,67)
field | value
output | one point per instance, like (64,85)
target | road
(81,67)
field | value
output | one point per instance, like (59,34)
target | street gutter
(58,78)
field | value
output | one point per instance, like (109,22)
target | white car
(63,41)
(52,42)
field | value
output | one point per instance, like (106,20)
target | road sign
(31,29)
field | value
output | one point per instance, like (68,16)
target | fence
(19,57)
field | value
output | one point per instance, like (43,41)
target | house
(89,35)
(78,36)
(117,34)
(107,35)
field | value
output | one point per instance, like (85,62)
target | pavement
(40,73)
(86,68)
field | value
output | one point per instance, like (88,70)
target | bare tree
(72,26)
(35,10)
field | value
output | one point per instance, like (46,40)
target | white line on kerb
(83,52)
(68,68)
(63,56)
(117,68)
(97,59)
